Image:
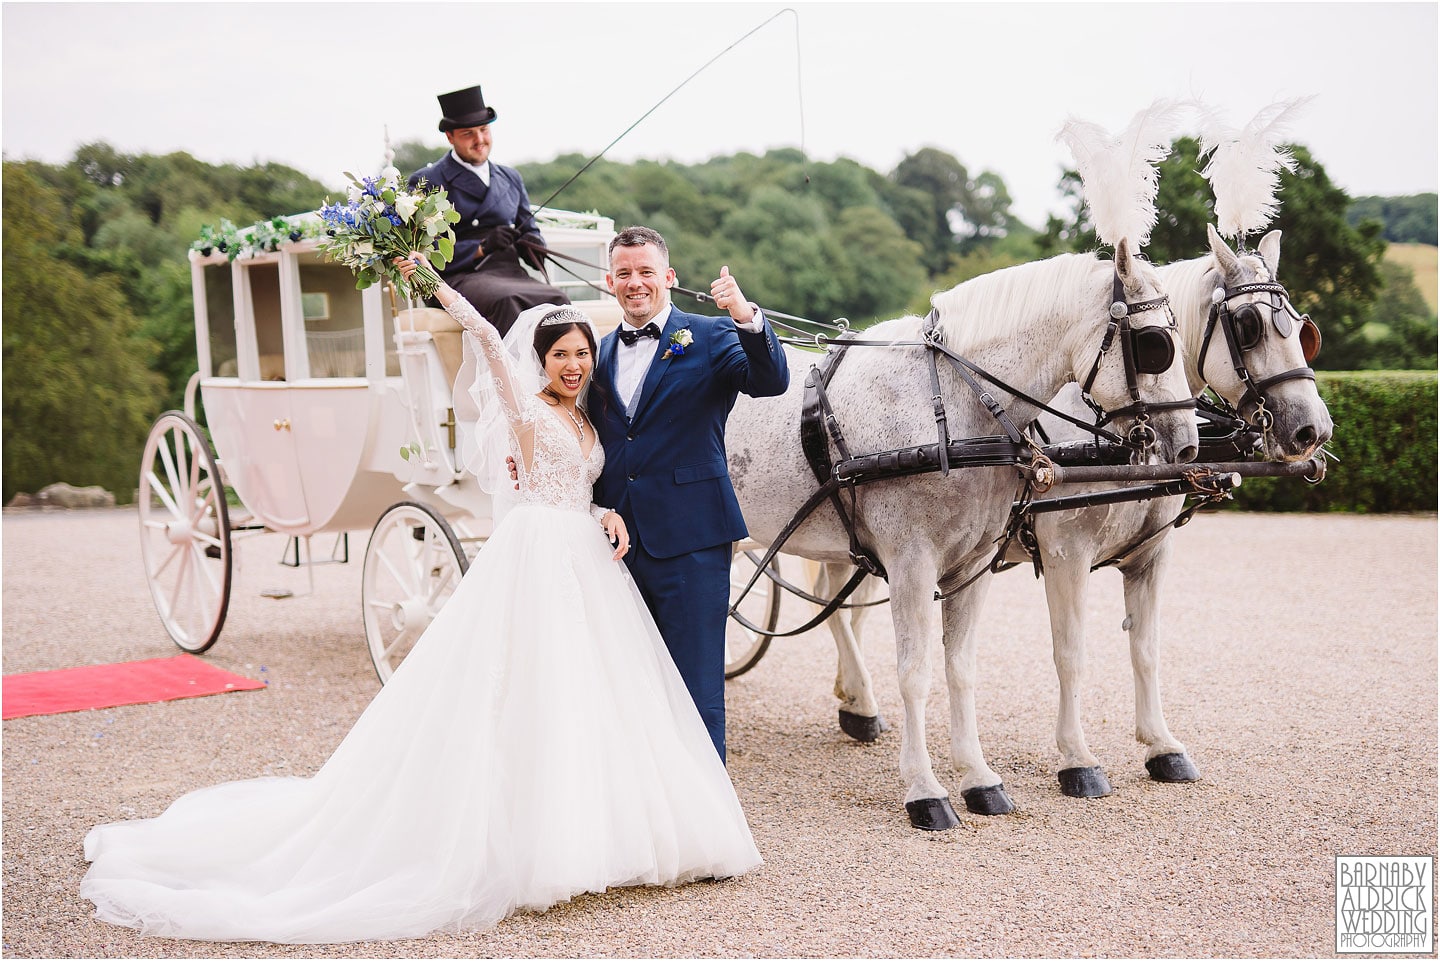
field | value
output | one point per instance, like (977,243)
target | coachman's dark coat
(497,285)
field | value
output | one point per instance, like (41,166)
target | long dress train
(536,744)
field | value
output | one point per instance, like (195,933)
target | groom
(663,386)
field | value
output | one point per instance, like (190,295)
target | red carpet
(110,685)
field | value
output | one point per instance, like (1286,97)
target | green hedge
(1385,442)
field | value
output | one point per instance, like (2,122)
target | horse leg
(1165,757)
(926,801)
(859,713)
(979,786)
(1067,582)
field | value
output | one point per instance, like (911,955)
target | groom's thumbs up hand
(728,297)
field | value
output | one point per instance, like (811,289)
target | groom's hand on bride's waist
(514,474)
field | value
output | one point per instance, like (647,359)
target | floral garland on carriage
(381,219)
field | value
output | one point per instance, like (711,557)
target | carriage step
(1172,769)
(1084,782)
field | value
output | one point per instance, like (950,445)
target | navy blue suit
(665,474)
(496,285)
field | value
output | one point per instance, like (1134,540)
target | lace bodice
(543,440)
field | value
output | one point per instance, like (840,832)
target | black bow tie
(628,335)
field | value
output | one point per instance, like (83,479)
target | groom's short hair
(638,237)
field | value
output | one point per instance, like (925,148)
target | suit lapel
(605,371)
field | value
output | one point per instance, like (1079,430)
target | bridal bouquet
(384,219)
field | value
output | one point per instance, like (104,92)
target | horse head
(1255,348)
(1131,367)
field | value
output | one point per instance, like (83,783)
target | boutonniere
(679,340)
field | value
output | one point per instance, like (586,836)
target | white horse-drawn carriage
(327,409)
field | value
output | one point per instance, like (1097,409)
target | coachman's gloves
(500,238)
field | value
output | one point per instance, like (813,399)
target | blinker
(1309,338)
(1153,349)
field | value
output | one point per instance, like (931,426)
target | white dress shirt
(482,171)
(632,361)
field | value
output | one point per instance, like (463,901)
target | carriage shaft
(1311,469)
(1225,482)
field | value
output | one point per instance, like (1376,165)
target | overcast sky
(316,85)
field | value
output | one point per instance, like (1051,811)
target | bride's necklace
(579,424)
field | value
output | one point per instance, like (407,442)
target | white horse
(1272,388)
(1036,327)
(1133,535)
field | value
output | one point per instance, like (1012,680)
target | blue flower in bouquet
(383,219)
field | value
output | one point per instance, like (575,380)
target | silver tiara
(563,315)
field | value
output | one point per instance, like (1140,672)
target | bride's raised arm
(497,358)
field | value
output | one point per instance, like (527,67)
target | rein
(819,428)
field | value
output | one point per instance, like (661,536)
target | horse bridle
(1145,350)
(1244,330)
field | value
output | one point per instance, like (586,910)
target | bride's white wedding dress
(536,744)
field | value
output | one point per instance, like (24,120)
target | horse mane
(1006,303)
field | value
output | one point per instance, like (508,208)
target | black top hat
(464,108)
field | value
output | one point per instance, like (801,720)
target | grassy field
(1420,258)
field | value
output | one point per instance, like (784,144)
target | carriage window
(220,319)
(334,318)
(264,287)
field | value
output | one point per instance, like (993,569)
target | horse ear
(1224,256)
(1125,264)
(1270,252)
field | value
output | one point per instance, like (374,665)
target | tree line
(99,328)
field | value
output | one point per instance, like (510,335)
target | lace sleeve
(509,392)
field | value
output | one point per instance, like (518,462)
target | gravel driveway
(1299,669)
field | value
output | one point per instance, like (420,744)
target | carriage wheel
(185,532)
(744,647)
(413,564)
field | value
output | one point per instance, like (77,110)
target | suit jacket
(665,470)
(480,207)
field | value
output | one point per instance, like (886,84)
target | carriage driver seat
(444,330)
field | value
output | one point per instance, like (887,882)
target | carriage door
(265,470)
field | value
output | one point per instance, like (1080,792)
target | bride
(536,744)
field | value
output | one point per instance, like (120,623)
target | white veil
(477,401)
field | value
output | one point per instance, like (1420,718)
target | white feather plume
(1244,166)
(1119,173)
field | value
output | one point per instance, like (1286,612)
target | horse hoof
(1084,782)
(862,728)
(1172,769)
(988,800)
(931,814)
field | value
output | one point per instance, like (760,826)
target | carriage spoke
(395,574)
(174,552)
(432,600)
(167,458)
(207,539)
(401,638)
(205,574)
(177,608)
(158,488)
(182,462)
